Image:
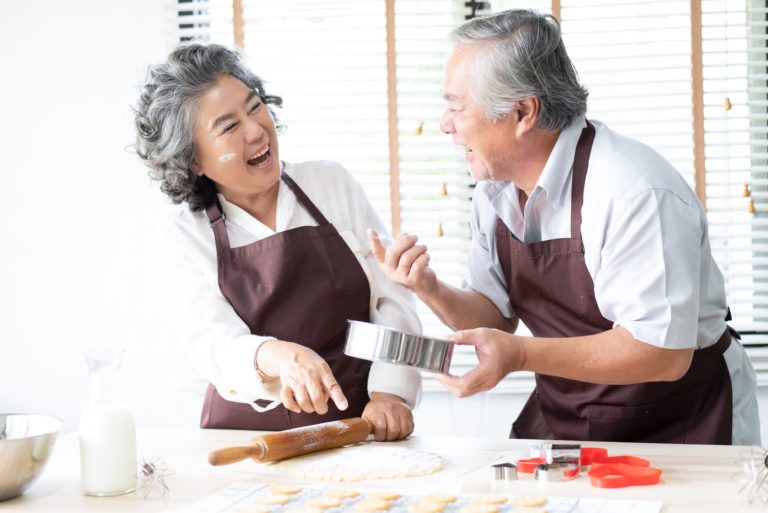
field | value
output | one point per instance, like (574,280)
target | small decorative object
(754,475)
(727,104)
(152,473)
(419,128)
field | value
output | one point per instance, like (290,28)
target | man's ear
(527,112)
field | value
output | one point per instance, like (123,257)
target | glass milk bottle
(107,431)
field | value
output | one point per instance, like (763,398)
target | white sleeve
(218,343)
(486,275)
(392,305)
(648,280)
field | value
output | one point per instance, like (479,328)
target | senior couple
(590,238)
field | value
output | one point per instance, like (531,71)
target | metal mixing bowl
(373,342)
(26,441)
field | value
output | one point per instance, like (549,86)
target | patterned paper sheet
(249,497)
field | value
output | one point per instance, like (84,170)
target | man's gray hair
(520,54)
(167,110)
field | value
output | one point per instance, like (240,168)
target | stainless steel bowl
(26,442)
(377,343)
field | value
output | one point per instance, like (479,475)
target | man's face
(490,145)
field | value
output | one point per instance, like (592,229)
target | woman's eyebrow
(226,117)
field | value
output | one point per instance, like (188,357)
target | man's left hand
(390,415)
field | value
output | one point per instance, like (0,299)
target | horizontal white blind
(634,56)
(328,61)
(204,21)
(736,155)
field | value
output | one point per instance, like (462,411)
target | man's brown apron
(552,292)
(300,285)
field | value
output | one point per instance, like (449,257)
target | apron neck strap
(304,200)
(580,164)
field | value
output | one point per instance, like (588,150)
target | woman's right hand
(306,379)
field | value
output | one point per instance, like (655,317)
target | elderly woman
(267,260)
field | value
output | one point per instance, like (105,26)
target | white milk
(107,450)
(107,431)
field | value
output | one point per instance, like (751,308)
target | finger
(409,256)
(333,389)
(377,247)
(302,398)
(286,396)
(419,265)
(318,396)
(406,424)
(465,337)
(393,425)
(379,426)
(403,243)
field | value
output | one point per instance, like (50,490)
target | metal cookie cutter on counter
(547,472)
(504,472)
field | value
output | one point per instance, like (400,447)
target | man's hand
(390,415)
(404,262)
(498,353)
(306,379)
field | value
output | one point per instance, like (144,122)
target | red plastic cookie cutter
(620,475)
(590,454)
(624,460)
(528,465)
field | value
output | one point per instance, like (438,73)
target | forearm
(612,357)
(464,308)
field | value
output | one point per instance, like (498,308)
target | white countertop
(694,479)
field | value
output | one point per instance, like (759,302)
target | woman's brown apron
(552,292)
(300,285)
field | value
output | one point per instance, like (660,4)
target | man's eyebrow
(226,117)
(450,97)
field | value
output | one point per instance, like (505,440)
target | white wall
(76,223)
(78,209)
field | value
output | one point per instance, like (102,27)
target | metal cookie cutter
(549,472)
(504,472)
(565,454)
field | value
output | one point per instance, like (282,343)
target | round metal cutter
(377,343)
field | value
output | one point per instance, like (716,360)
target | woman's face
(236,141)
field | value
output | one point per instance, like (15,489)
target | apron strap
(580,165)
(216,219)
(304,200)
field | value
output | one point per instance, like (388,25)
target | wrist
(263,360)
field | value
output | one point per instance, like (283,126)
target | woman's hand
(404,262)
(306,379)
(390,415)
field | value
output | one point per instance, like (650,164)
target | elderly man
(595,242)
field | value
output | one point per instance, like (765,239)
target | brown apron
(552,292)
(300,285)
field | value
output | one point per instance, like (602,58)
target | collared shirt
(646,248)
(218,343)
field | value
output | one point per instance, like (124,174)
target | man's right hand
(405,262)
(306,379)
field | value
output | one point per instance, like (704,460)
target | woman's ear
(195,167)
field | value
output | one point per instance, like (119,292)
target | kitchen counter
(695,478)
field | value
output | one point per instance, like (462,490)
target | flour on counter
(360,462)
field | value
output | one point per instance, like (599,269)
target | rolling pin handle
(235,454)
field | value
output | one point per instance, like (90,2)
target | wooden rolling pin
(295,442)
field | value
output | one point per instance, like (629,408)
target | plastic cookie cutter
(622,471)
(504,472)
(528,465)
(590,454)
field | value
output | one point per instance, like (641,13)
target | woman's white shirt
(218,343)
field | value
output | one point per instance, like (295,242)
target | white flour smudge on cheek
(226,157)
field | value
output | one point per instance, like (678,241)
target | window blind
(735,69)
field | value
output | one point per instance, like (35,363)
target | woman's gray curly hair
(166,113)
